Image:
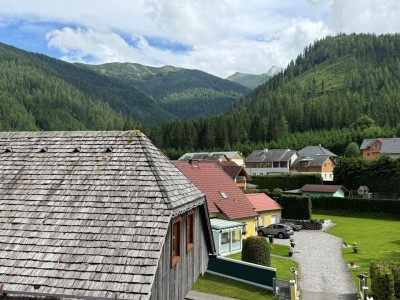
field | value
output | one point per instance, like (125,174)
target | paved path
(323,274)
(195,295)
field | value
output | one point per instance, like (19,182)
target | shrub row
(256,250)
(295,207)
(385,280)
(357,204)
(285,181)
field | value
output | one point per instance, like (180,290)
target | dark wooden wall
(175,283)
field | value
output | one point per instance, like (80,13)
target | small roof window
(223,195)
(43,150)
(8,150)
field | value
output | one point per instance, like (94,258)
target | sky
(220,37)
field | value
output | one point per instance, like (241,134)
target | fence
(243,271)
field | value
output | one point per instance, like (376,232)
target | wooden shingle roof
(85,214)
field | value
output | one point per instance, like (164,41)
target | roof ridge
(155,172)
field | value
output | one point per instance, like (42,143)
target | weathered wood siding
(175,283)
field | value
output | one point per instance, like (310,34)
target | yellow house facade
(268,209)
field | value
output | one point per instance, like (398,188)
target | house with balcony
(317,164)
(373,148)
(270,161)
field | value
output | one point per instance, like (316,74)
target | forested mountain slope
(321,94)
(183,92)
(41,93)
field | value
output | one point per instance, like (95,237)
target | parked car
(295,227)
(280,230)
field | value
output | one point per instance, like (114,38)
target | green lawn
(281,265)
(221,286)
(377,236)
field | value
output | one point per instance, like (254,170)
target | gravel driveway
(323,274)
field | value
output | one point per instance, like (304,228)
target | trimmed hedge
(285,181)
(383,279)
(390,206)
(295,207)
(256,250)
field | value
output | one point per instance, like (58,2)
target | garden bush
(285,181)
(390,206)
(256,250)
(295,207)
(382,281)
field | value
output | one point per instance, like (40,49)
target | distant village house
(373,148)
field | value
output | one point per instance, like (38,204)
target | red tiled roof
(211,180)
(262,202)
(322,188)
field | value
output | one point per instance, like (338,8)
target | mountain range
(182,92)
(324,96)
(42,93)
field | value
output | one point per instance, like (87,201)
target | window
(275,164)
(175,242)
(244,227)
(189,231)
(223,195)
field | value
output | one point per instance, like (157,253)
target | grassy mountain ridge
(195,93)
(251,80)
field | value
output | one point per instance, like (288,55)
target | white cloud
(220,37)
(365,16)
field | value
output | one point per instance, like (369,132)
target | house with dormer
(225,200)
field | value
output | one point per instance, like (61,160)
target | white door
(262,220)
(274,219)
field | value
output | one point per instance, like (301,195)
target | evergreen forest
(340,90)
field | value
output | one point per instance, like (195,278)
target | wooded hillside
(318,99)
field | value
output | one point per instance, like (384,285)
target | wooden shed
(97,215)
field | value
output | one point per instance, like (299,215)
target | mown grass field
(377,236)
(221,286)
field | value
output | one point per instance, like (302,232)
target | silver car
(280,230)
